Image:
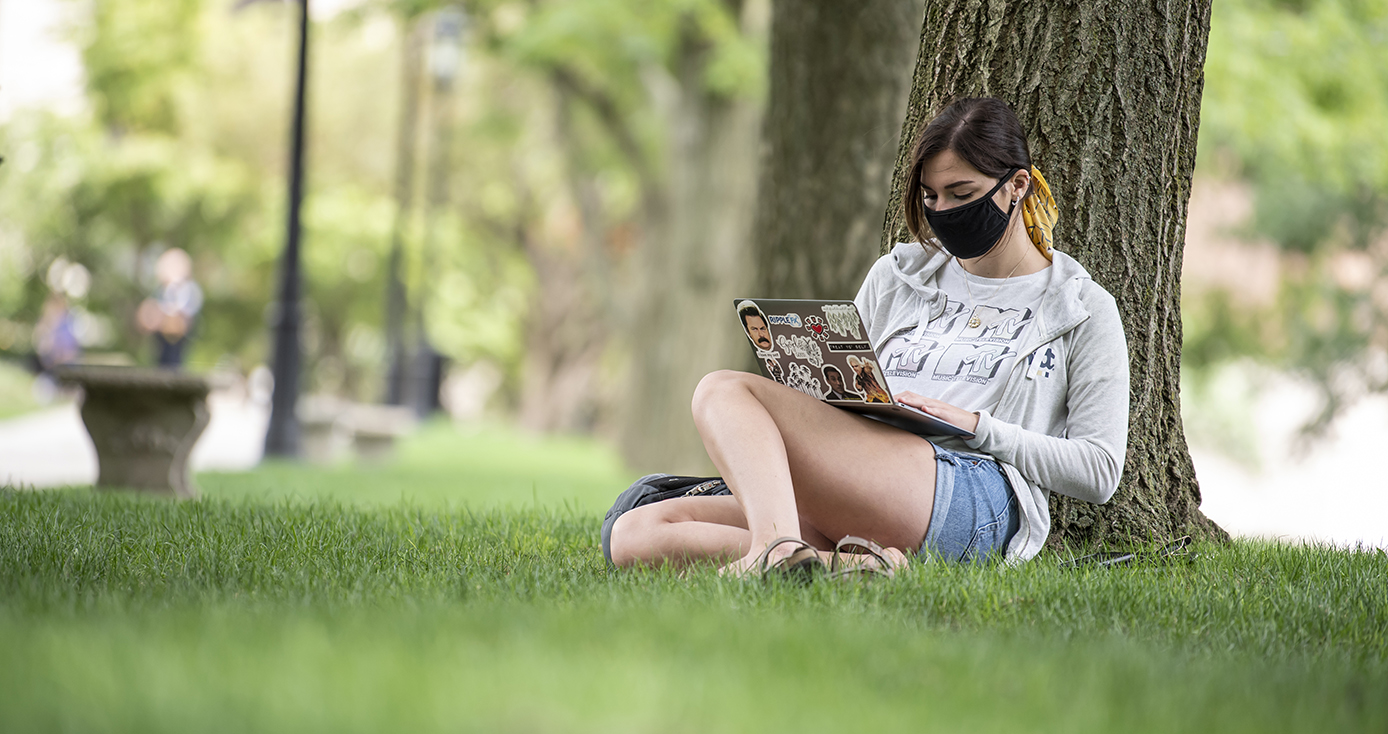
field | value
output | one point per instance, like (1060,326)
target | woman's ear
(1021,180)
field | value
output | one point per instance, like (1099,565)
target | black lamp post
(282,436)
(445,58)
(397,300)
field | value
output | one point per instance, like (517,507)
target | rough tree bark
(1109,93)
(840,78)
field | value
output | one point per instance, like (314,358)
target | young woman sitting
(984,326)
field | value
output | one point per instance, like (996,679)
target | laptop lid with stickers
(822,349)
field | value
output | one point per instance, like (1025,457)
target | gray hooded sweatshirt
(1061,424)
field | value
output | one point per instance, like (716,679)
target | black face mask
(971,230)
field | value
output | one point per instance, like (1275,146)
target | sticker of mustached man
(868,380)
(758,329)
(963,355)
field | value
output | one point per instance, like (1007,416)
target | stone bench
(323,436)
(375,428)
(144,423)
(330,426)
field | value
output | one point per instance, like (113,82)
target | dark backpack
(657,488)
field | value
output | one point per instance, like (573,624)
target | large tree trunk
(695,260)
(1109,93)
(840,77)
(567,330)
(839,82)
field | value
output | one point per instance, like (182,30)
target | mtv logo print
(1000,325)
(909,360)
(948,319)
(971,362)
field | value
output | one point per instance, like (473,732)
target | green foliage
(112,206)
(1216,330)
(598,39)
(1218,405)
(186,146)
(618,66)
(1328,333)
(187,149)
(1300,90)
(1295,97)
(137,55)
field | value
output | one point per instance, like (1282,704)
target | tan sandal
(837,570)
(802,566)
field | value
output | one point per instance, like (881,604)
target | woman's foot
(895,560)
(856,556)
(789,555)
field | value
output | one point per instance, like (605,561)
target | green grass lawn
(461,588)
(441,467)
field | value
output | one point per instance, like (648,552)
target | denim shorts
(975,513)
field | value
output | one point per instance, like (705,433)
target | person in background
(55,344)
(55,335)
(171,312)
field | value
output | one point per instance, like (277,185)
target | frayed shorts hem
(975,513)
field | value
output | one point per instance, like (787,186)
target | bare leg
(788,457)
(683,531)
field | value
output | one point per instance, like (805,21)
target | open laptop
(821,348)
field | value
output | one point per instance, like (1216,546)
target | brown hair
(984,131)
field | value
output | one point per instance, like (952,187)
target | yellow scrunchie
(1039,214)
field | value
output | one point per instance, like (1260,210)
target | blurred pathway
(51,448)
(1336,493)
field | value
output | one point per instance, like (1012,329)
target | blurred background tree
(1296,94)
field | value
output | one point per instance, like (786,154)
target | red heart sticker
(818,328)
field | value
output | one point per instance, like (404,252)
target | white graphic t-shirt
(963,356)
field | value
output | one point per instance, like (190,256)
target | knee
(630,536)
(713,388)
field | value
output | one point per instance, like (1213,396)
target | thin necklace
(975,321)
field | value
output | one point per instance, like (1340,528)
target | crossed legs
(796,467)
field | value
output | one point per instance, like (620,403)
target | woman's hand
(940,409)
